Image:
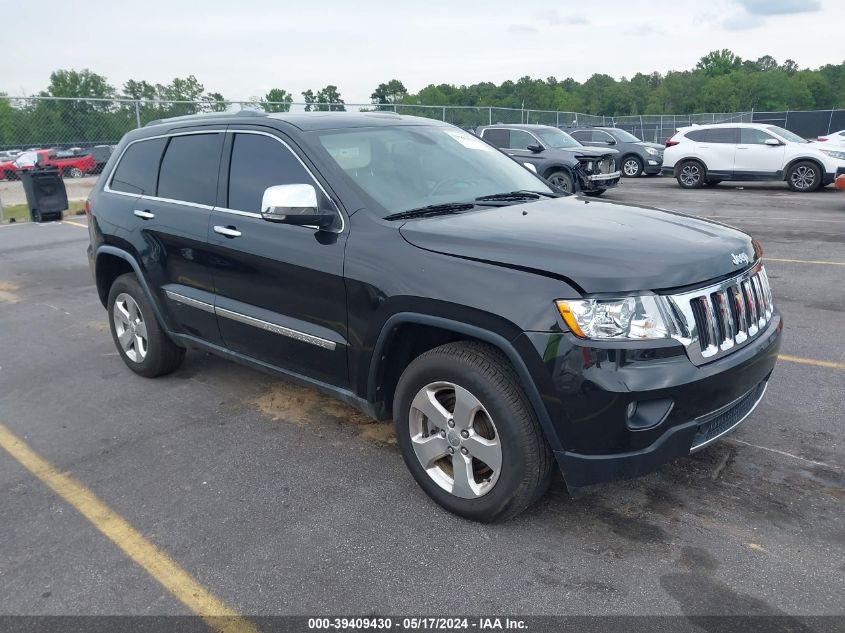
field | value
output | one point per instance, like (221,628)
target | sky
(243,49)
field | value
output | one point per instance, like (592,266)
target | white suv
(708,154)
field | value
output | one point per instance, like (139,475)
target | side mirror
(611,142)
(773,142)
(294,204)
(535,148)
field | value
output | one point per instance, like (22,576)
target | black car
(556,156)
(636,157)
(413,270)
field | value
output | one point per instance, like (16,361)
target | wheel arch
(397,346)
(804,159)
(688,159)
(111,263)
(549,170)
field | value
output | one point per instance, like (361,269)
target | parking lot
(277,500)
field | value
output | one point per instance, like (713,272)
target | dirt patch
(7,292)
(306,407)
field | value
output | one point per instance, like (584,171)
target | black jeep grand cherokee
(415,271)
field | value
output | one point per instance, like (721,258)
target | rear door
(755,159)
(174,224)
(717,148)
(280,292)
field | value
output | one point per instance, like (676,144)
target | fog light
(647,414)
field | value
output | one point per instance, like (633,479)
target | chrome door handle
(145,215)
(227,231)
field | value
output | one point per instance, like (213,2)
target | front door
(280,294)
(756,159)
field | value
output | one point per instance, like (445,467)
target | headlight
(834,154)
(626,318)
(651,151)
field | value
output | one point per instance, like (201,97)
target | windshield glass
(556,139)
(786,134)
(409,167)
(27,158)
(622,136)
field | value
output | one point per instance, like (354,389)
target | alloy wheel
(130,328)
(561,182)
(803,177)
(631,168)
(690,175)
(455,440)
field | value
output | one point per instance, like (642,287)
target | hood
(596,246)
(656,146)
(584,151)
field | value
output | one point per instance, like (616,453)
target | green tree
(329,99)
(717,63)
(310,100)
(277,100)
(392,92)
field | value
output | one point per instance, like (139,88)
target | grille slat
(731,314)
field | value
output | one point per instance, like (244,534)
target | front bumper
(589,387)
(653,165)
(597,182)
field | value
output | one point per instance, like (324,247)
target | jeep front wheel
(468,433)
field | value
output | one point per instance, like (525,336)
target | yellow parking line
(803,261)
(829,364)
(71,222)
(157,564)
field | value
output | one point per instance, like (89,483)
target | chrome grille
(721,318)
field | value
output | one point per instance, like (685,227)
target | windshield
(409,167)
(27,158)
(786,134)
(556,139)
(622,136)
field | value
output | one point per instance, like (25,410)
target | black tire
(37,216)
(595,193)
(75,172)
(162,355)
(10,175)
(526,460)
(691,174)
(632,166)
(804,176)
(562,180)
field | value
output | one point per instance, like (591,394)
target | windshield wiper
(431,210)
(522,194)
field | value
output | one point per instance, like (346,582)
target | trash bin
(46,195)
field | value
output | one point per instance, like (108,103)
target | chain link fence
(64,124)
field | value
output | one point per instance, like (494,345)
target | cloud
(554,18)
(742,21)
(522,28)
(779,7)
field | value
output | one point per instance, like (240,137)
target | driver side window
(752,136)
(259,162)
(520,139)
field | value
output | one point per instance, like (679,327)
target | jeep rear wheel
(804,177)
(691,174)
(75,172)
(468,433)
(562,180)
(141,342)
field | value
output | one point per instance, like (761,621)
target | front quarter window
(408,167)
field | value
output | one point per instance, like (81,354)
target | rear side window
(585,136)
(715,135)
(496,137)
(137,170)
(189,168)
(259,162)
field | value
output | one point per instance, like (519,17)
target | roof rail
(206,115)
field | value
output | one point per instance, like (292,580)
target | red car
(8,171)
(68,163)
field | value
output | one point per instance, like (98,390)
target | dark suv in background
(636,157)
(411,269)
(556,156)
